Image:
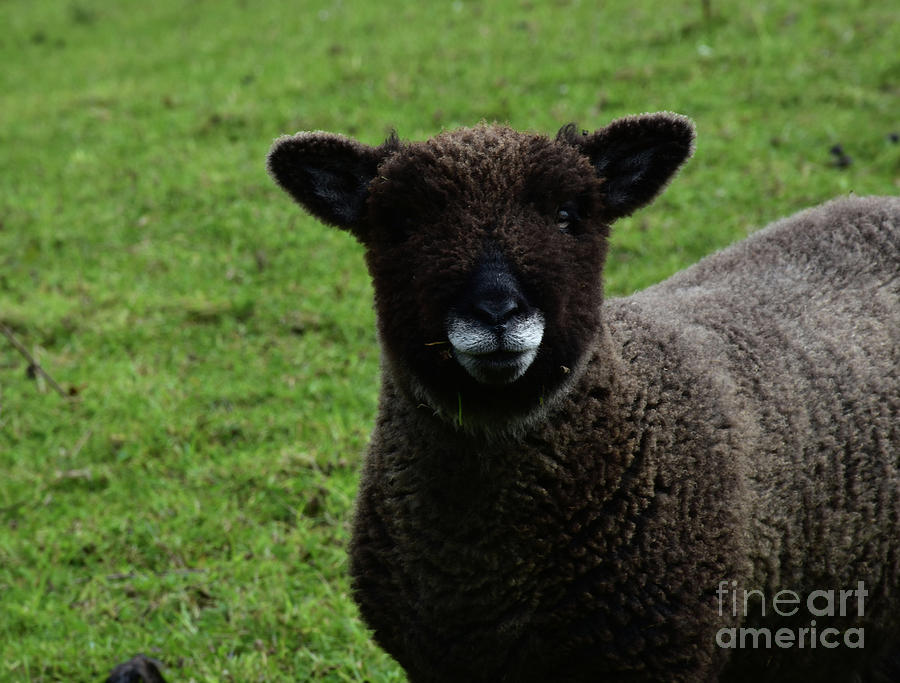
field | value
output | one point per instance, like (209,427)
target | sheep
(698,482)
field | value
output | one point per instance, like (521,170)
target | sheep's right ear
(327,174)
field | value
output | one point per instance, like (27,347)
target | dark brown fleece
(738,422)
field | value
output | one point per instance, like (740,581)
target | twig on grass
(125,576)
(76,449)
(32,361)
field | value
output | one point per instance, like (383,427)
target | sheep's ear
(635,156)
(328,174)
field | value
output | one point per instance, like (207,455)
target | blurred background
(188,364)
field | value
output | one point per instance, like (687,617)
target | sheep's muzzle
(494,332)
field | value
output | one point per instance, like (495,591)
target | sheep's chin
(502,367)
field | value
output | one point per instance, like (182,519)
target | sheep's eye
(566,217)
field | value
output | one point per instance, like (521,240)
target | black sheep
(560,488)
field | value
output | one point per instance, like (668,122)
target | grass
(191,498)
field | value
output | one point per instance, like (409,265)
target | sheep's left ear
(328,175)
(635,156)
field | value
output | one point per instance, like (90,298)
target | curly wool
(736,423)
(715,434)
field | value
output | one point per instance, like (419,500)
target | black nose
(497,309)
(493,295)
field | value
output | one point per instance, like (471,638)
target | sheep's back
(801,321)
(804,319)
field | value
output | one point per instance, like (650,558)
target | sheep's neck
(459,510)
(467,482)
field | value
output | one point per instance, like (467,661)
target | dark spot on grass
(214,312)
(301,323)
(841,158)
(232,126)
(228,433)
(314,505)
(201,598)
(69,481)
(83,16)
(262,259)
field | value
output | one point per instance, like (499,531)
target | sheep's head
(485,246)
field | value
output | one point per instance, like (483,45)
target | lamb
(699,482)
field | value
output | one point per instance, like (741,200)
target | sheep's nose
(496,310)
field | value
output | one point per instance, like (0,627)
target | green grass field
(190,497)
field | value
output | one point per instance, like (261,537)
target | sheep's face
(486,247)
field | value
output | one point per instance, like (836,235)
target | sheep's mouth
(498,354)
(500,358)
(500,367)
